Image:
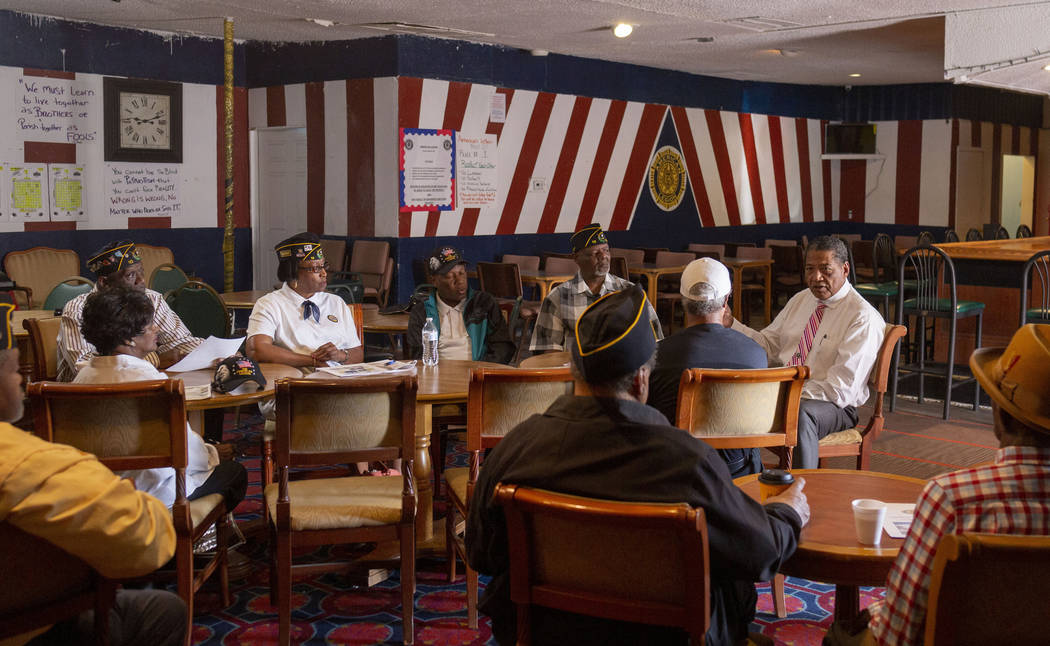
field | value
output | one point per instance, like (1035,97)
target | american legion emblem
(667,178)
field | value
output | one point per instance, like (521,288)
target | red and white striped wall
(594,155)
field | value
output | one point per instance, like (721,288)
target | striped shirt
(1010,496)
(557,318)
(74,352)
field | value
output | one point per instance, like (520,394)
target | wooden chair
(334,250)
(557,359)
(864,264)
(43,339)
(625,561)
(153,257)
(502,280)
(618,267)
(498,399)
(66,291)
(753,280)
(45,585)
(558,265)
(789,275)
(780,242)
(139,425)
(716,251)
(858,441)
(167,277)
(907,241)
(669,286)
(524,263)
(335,422)
(633,256)
(742,409)
(39,269)
(988,589)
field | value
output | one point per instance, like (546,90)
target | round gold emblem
(667,178)
(332,318)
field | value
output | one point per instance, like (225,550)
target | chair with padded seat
(973,234)
(618,267)
(152,257)
(30,601)
(951,236)
(36,271)
(780,242)
(988,589)
(166,277)
(140,425)
(668,286)
(66,291)
(559,265)
(858,441)
(1001,233)
(498,399)
(1023,231)
(789,274)
(201,308)
(633,256)
(570,553)
(524,263)
(502,280)
(43,340)
(370,261)
(328,422)
(716,251)
(1037,266)
(933,269)
(904,242)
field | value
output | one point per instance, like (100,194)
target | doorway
(278,196)
(1017,205)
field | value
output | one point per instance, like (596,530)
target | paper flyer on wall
(28,192)
(67,192)
(427,170)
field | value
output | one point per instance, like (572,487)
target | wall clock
(143,120)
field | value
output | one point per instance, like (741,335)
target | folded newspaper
(371,368)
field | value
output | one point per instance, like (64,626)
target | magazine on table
(372,368)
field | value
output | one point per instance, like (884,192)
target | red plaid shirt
(1011,496)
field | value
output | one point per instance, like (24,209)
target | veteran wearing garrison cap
(605,442)
(563,305)
(301,324)
(118,263)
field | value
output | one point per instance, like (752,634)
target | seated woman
(118,321)
(300,324)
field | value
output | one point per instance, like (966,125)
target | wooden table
(828,549)
(243,300)
(652,273)
(737,266)
(195,407)
(544,280)
(374,321)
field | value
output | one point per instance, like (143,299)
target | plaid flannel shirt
(566,302)
(1010,496)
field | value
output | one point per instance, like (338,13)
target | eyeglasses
(316,269)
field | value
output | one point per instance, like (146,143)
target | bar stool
(932,267)
(1039,265)
(1023,231)
(951,236)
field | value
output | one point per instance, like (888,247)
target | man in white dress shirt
(833,330)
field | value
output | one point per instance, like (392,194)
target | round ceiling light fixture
(854,75)
(1046,68)
(622,30)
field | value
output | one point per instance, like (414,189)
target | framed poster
(427,169)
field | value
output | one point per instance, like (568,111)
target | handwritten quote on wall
(56,110)
(142,190)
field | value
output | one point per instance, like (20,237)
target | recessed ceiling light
(321,21)
(622,30)
(854,75)
(1046,68)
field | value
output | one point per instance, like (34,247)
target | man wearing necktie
(833,330)
(301,324)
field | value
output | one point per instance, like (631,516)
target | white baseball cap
(710,271)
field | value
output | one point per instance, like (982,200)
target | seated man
(118,263)
(606,443)
(1008,496)
(67,498)
(833,330)
(470,324)
(563,305)
(705,343)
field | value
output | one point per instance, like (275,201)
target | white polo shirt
(279,315)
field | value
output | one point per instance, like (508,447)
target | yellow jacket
(68,498)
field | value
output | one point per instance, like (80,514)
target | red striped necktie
(805,344)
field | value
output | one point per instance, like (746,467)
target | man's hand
(794,497)
(328,352)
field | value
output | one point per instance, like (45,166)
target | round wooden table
(828,549)
(195,407)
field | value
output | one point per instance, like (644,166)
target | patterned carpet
(330,609)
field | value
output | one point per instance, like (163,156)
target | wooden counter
(1017,250)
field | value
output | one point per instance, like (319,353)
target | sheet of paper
(898,518)
(371,369)
(205,354)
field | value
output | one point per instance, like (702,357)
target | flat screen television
(849,139)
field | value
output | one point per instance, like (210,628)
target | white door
(278,196)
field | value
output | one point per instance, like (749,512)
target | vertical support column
(227,103)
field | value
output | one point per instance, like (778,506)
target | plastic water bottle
(430,343)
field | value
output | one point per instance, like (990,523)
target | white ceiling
(990,42)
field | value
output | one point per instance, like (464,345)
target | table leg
(738,276)
(847,602)
(423,471)
(650,288)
